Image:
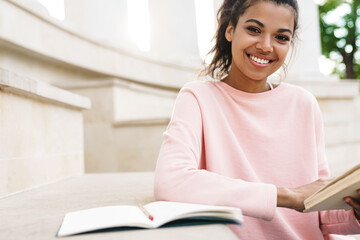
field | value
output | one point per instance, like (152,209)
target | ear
(229,32)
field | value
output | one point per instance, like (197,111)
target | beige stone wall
(123,129)
(61,54)
(62,44)
(342,136)
(41,136)
(339,103)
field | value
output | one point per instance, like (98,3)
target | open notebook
(163,214)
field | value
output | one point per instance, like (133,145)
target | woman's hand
(294,197)
(355,204)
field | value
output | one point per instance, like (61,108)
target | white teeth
(259,60)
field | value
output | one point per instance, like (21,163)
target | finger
(354,204)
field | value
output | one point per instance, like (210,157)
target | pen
(146,212)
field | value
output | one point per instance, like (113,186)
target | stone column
(217,5)
(173,31)
(304,63)
(103,20)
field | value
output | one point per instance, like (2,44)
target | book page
(342,176)
(331,196)
(103,217)
(164,212)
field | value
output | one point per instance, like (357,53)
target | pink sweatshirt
(232,148)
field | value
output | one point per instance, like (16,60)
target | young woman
(244,142)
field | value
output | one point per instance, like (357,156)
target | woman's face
(261,40)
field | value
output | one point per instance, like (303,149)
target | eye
(253,29)
(283,38)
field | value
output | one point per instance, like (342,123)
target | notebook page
(164,212)
(104,217)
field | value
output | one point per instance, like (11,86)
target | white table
(37,214)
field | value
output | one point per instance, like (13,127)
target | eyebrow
(280,30)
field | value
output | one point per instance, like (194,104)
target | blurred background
(88,86)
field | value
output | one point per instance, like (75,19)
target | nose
(265,44)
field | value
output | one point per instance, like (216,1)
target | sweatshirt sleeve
(181,173)
(334,221)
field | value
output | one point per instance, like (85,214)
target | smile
(259,60)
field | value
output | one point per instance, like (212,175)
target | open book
(162,214)
(332,195)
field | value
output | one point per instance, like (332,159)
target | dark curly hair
(229,12)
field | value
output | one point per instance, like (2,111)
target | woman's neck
(250,86)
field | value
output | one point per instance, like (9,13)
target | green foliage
(340,40)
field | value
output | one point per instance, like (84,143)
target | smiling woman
(244,142)
(259,45)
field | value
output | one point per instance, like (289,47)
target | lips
(260,60)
